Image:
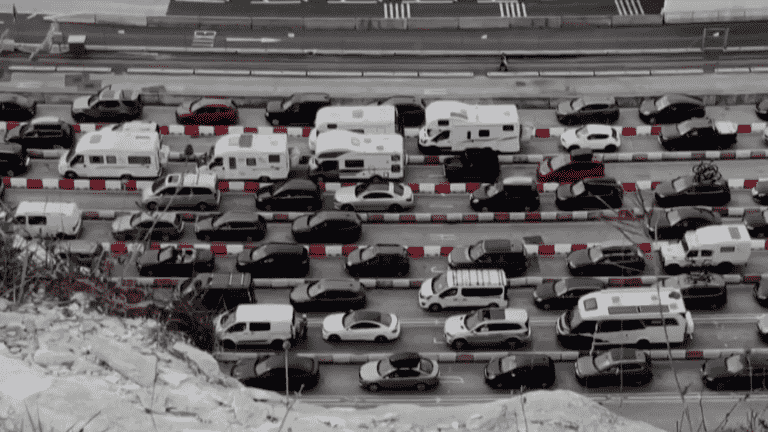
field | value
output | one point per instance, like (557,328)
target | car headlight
(491,376)
(475,200)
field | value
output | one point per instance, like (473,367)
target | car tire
(275,122)
(421,387)
(459,344)
(573,148)
(151,206)
(165,237)
(10,173)
(205,237)
(435,308)
(381,339)
(546,306)
(395,208)
(150,272)
(334,338)
(125,178)
(70,175)
(673,269)
(373,388)
(347,207)
(610,148)
(202,207)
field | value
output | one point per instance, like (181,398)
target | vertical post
(286,346)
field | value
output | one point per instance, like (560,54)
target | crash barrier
(724,16)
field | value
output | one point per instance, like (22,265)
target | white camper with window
(248,156)
(718,246)
(344,155)
(369,120)
(108,154)
(453,127)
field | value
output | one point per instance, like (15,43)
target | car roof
(310,97)
(505,314)
(590,100)
(164,216)
(238,216)
(600,181)
(335,215)
(624,354)
(277,247)
(340,284)
(298,184)
(368,315)
(278,362)
(44,120)
(210,101)
(578,282)
(12,97)
(264,312)
(699,123)
(379,187)
(405,360)
(517,181)
(192,179)
(597,128)
(679,97)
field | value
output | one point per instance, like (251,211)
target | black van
(13,159)
(298,110)
(513,194)
(493,253)
(473,165)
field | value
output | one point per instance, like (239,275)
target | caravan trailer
(248,156)
(344,155)
(369,120)
(453,127)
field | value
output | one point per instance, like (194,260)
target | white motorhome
(455,126)
(109,154)
(626,316)
(344,155)
(369,120)
(718,246)
(248,156)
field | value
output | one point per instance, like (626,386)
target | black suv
(290,195)
(671,108)
(13,159)
(42,133)
(409,109)
(298,110)
(380,260)
(474,165)
(588,109)
(15,107)
(511,194)
(606,261)
(590,193)
(564,293)
(518,371)
(496,253)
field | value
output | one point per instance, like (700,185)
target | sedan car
(328,227)
(671,223)
(290,195)
(698,134)
(617,367)
(589,194)
(760,193)
(592,136)
(207,111)
(15,107)
(570,168)
(410,109)
(527,371)
(379,260)
(700,290)
(671,108)
(42,133)
(361,325)
(269,373)
(685,191)
(736,372)
(401,371)
(175,262)
(374,196)
(274,260)
(588,109)
(232,226)
(606,261)
(564,293)
(329,295)
(163,226)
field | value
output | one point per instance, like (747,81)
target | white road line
(244,39)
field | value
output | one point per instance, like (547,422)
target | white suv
(508,326)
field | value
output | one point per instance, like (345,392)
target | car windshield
(360,188)
(426,366)
(196,105)
(661,103)
(577,104)
(578,188)
(558,162)
(595,254)
(398,188)
(315,289)
(560,288)
(573,318)
(93,99)
(135,218)
(735,364)
(368,254)
(261,368)
(603,361)
(582,132)
(507,364)
(157,184)
(680,184)
(384,368)
(685,127)
(258,254)
(166,254)
(286,104)
(494,189)
(440,284)
(473,318)
(476,251)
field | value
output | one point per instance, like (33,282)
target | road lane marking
(246,39)
(451,379)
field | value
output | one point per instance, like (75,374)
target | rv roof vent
(355,141)
(674,295)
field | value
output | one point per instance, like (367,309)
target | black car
(410,109)
(529,371)
(606,261)
(275,260)
(269,373)
(505,254)
(588,109)
(564,293)
(700,290)
(15,107)
(328,227)
(671,108)
(698,134)
(686,191)
(474,165)
(760,193)
(761,108)
(173,261)
(290,195)
(570,168)
(328,295)
(591,193)
(42,133)
(617,367)
(207,111)
(736,372)
(671,223)
(13,159)
(232,226)
(512,194)
(380,260)
(298,110)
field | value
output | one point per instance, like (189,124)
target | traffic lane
(667,170)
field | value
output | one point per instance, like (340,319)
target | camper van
(369,120)
(109,154)
(626,316)
(48,219)
(248,156)
(453,127)
(344,155)
(715,246)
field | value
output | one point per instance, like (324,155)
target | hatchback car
(274,260)
(588,109)
(507,254)
(701,290)
(589,194)
(290,195)
(756,222)
(379,260)
(473,165)
(15,107)
(698,134)
(736,372)
(374,196)
(617,367)
(685,191)
(269,373)
(564,293)
(671,108)
(328,227)
(198,191)
(592,136)
(232,226)
(606,261)
(672,223)
(299,109)
(512,194)
(361,325)
(570,168)
(163,226)
(410,109)
(13,159)
(175,262)
(400,371)
(42,133)
(527,371)
(109,104)
(492,326)
(207,111)
(328,295)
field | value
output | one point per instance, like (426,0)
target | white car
(591,136)
(361,325)
(374,196)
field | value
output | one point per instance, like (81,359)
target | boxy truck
(248,156)
(715,246)
(453,127)
(344,155)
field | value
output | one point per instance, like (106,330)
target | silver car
(374,196)
(488,326)
(199,191)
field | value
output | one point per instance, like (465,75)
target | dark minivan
(298,110)
(290,195)
(493,253)
(509,195)
(275,260)
(13,159)
(380,260)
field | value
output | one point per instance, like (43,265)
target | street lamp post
(286,346)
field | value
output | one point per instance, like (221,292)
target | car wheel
(498,385)
(720,386)
(395,208)
(10,173)
(421,387)
(673,269)
(435,308)
(610,148)
(125,178)
(202,207)
(275,122)
(546,306)
(572,148)
(373,387)
(150,272)
(70,175)
(513,343)
(206,237)
(643,344)
(484,210)
(347,207)
(334,338)
(267,207)
(459,344)
(381,339)
(229,345)
(151,206)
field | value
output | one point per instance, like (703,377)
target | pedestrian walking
(504,66)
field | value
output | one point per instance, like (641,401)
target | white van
(470,288)
(344,155)
(48,219)
(109,154)
(626,316)
(718,246)
(370,120)
(453,127)
(260,324)
(248,156)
